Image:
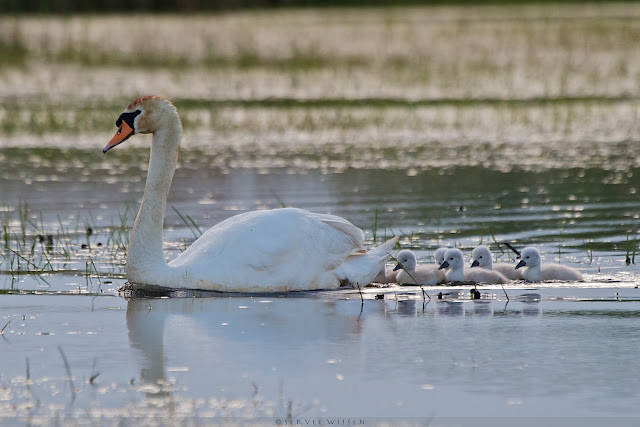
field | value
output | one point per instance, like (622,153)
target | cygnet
(535,271)
(482,258)
(439,254)
(454,261)
(411,274)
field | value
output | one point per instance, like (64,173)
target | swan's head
(439,255)
(530,257)
(481,256)
(406,260)
(453,259)
(144,115)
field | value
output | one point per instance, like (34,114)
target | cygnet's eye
(527,257)
(480,257)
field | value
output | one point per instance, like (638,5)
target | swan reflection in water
(263,352)
(217,336)
(219,343)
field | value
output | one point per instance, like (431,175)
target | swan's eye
(119,130)
(128,118)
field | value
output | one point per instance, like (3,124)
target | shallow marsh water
(452,142)
(557,353)
(310,356)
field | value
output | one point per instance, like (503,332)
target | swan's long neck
(145,258)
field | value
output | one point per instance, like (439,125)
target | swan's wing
(272,249)
(353,234)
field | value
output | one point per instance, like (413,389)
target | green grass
(589,249)
(89,56)
(432,46)
(5,327)
(189,222)
(374,226)
(632,247)
(295,103)
(41,119)
(31,247)
(13,48)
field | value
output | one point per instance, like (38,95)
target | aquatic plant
(39,249)
(632,247)
(189,222)
(374,226)
(589,249)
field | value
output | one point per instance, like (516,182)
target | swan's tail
(360,270)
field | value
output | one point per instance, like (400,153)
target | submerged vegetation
(31,246)
(535,207)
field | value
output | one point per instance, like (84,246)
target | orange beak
(123,133)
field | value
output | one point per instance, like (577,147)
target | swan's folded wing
(352,233)
(269,247)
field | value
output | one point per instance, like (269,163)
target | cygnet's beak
(123,133)
(521,264)
(443,265)
(398,267)
(475,263)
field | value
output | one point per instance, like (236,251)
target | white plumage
(269,250)
(454,261)
(386,275)
(439,255)
(535,271)
(410,273)
(481,256)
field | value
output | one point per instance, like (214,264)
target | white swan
(535,271)
(454,261)
(481,256)
(269,250)
(411,274)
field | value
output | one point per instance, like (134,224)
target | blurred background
(447,123)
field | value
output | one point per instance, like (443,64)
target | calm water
(563,352)
(553,351)
(585,216)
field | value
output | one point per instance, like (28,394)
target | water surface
(549,352)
